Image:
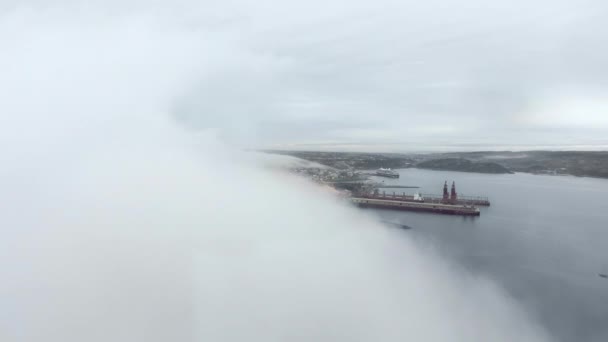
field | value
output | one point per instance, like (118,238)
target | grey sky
(359,75)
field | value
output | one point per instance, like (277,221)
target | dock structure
(416,206)
(462,200)
(448,197)
(449,203)
(431,198)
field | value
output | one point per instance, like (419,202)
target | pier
(449,203)
(430,198)
(462,200)
(416,206)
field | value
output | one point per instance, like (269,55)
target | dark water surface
(544,240)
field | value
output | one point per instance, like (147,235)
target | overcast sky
(337,75)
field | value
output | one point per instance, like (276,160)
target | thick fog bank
(179,243)
(120,224)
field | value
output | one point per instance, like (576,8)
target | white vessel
(387,173)
(418,197)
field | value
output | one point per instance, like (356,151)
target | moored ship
(387,173)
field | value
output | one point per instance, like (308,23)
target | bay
(544,240)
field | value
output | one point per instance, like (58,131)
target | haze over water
(543,239)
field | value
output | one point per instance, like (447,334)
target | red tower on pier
(453,195)
(446,195)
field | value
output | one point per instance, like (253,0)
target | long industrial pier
(416,206)
(449,203)
(430,198)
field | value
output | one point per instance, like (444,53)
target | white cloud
(119,225)
(587,111)
(315,68)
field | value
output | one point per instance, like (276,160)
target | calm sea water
(544,240)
